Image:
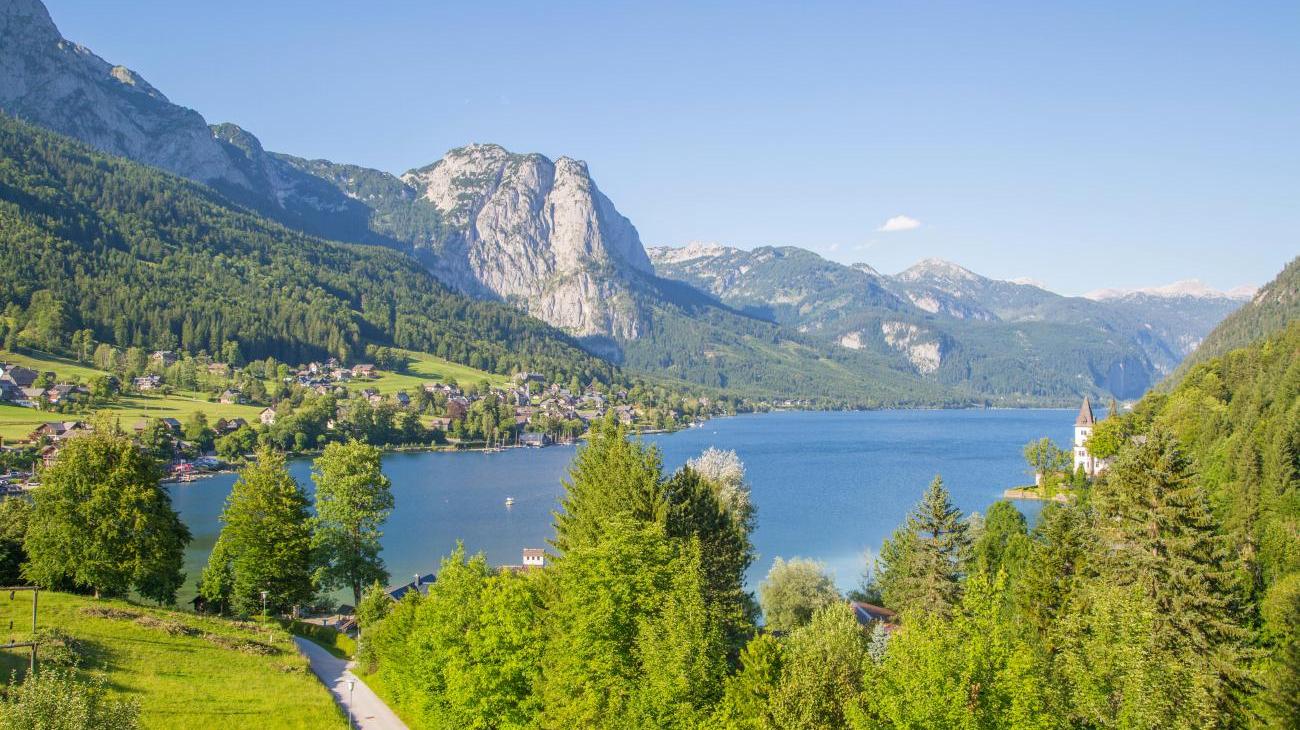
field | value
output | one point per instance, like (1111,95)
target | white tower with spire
(1082,430)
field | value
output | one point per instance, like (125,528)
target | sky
(1083,145)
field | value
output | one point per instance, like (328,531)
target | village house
(533,559)
(230,396)
(146,382)
(166,358)
(421,584)
(535,440)
(457,407)
(219,369)
(402,398)
(18,376)
(64,392)
(10,392)
(224,425)
(364,370)
(266,416)
(31,397)
(525,378)
(57,430)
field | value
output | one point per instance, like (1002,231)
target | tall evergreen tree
(353,500)
(611,477)
(1163,542)
(682,650)
(695,513)
(922,564)
(265,542)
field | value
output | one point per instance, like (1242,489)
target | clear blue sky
(1080,144)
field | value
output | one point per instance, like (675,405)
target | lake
(829,486)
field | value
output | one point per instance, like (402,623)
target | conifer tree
(694,513)
(682,650)
(611,478)
(1164,543)
(922,564)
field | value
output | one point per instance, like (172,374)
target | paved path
(367,710)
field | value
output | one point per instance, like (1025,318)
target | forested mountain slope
(1274,306)
(143,258)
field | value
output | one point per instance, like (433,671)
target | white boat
(510,501)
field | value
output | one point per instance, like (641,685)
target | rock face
(537,233)
(64,87)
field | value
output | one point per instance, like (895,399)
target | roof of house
(424,582)
(1085,414)
(868,612)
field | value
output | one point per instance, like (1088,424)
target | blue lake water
(829,486)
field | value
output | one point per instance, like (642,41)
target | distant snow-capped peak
(1186,288)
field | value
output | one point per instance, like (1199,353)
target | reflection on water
(829,486)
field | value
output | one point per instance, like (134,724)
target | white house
(534,558)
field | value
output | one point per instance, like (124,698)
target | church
(1083,425)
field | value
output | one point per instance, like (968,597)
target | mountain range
(538,234)
(956,326)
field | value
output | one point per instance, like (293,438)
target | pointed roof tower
(1085,414)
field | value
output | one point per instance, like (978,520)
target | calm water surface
(829,486)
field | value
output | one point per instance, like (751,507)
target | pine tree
(922,564)
(1163,542)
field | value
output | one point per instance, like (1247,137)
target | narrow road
(367,711)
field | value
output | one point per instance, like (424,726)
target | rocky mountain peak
(67,88)
(27,22)
(936,268)
(536,231)
(865,268)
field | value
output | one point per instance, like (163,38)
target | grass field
(17,422)
(426,369)
(185,670)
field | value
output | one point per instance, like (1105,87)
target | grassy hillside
(185,670)
(17,422)
(424,368)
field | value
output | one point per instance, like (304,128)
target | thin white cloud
(900,223)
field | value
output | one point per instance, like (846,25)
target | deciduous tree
(353,500)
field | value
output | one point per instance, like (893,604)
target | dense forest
(141,258)
(1165,594)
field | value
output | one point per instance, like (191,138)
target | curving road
(363,706)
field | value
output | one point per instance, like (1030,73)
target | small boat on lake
(510,501)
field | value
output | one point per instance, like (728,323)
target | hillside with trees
(1273,306)
(141,258)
